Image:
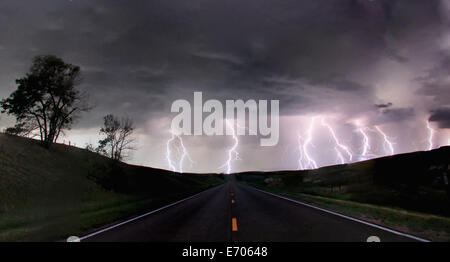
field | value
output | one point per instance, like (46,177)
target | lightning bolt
(430,135)
(366,146)
(339,155)
(169,153)
(310,162)
(185,153)
(232,151)
(300,150)
(386,140)
(338,143)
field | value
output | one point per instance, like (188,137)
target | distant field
(407,192)
(48,195)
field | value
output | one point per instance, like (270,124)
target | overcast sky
(356,63)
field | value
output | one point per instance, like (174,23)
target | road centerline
(234,224)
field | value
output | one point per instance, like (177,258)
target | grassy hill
(48,195)
(408,191)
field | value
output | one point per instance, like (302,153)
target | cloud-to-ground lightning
(310,162)
(232,151)
(169,153)
(300,151)
(386,140)
(339,155)
(430,136)
(338,144)
(366,144)
(184,153)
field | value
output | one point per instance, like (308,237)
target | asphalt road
(233,212)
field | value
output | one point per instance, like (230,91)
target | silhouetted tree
(118,138)
(89,147)
(24,129)
(46,97)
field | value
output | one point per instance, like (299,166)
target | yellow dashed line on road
(234,224)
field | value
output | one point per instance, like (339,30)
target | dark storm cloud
(398,114)
(436,84)
(442,117)
(350,61)
(139,56)
(383,105)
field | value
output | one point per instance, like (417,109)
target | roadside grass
(428,226)
(412,181)
(79,220)
(49,195)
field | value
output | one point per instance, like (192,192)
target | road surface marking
(232,201)
(347,217)
(146,214)
(234,224)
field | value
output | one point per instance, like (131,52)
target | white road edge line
(146,214)
(347,217)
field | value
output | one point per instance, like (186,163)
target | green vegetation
(435,228)
(50,194)
(408,192)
